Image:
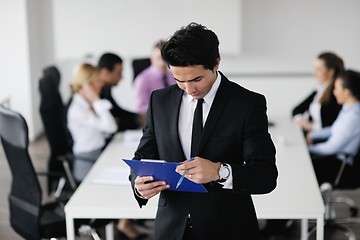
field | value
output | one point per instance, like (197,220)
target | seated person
(89,119)
(341,141)
(111,66)
(320,108)
(155,77)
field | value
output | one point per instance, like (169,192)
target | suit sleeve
(258,173)
(147,148)
(304,105)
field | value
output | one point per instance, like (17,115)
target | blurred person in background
(155,77)
(91,122)
(320,108)
(111,66)
(341,141)
(89,119)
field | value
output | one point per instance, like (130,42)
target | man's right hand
(148,189)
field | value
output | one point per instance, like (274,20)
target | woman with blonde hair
(90,121)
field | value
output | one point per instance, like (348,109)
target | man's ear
(216,67)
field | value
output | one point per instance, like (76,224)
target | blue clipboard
(164,171)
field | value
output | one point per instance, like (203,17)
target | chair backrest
(25,194)
(356,166)
(139,65)
(53,114)
(349,177)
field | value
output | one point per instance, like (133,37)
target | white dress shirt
(343,137)
(186,116)
(314,109)
(89,127)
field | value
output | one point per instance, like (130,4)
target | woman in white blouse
(341,141)
(90,123)
(89,118)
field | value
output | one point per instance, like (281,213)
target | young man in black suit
(111,67)
(234,155)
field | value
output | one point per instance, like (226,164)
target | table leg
(304,229)
(70,232)
(109,231)
(320,228)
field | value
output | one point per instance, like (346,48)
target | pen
(183,175)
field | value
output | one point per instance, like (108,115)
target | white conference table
(296,196)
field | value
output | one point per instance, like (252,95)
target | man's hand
(149,189)
(200,170)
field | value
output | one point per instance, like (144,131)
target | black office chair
(53,115)
(348,178)
(140,65)
(29,217)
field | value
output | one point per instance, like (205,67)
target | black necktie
(164,78)
(197,127)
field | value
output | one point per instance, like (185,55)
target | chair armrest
(66,162)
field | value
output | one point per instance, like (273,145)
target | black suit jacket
(328,112)
(236,132)
(125,119)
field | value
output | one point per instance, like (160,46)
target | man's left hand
(200,170)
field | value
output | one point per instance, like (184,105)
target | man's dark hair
(351,80)
(108,61)
(192,45)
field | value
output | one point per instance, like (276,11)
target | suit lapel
(216,110)
(174,109)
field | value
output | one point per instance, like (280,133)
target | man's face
(112,78)
(195,80)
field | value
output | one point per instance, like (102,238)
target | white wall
(282,93)
(23,55)
(14,58)
(299,30)
(131,27)
(41,53)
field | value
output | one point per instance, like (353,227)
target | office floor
(39,152)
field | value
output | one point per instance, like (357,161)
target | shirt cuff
(138,194)
(228,184)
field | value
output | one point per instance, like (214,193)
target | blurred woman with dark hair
(341,141)
(320,109)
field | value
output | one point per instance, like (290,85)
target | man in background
(155,77)
(111,67)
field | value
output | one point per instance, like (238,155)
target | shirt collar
(347,107)
(209,97)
